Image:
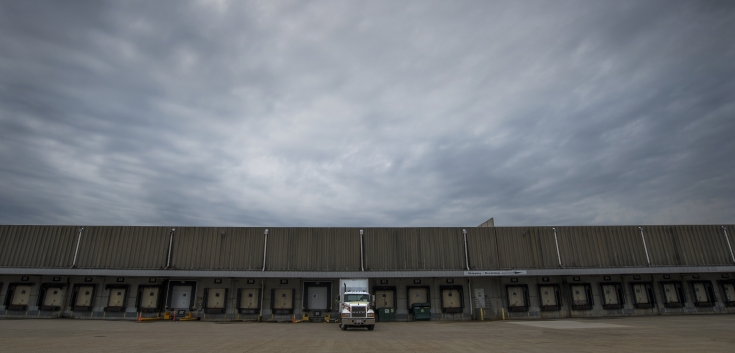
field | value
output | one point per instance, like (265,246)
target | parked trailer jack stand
(189,317)
(141,318)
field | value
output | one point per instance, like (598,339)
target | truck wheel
(371,327)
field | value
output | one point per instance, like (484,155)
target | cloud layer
(367,113)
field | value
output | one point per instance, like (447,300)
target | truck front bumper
(358,321)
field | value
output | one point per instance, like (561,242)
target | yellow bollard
(503,311)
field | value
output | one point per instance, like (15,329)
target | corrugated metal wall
(687,245)
(37,246)
(385,249)
(414,249)
(526,247)
(731,237)
(312,249)
(123,247)
(338,249)
(207,248)
(482,248)
(601,247)
(441,248)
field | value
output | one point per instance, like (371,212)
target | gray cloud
(366,114)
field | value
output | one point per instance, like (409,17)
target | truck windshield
(356,297)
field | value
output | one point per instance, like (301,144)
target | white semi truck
(355,304)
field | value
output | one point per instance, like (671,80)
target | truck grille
(359,311)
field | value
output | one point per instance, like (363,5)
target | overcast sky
(367,113)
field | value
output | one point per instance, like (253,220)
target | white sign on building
(496,273)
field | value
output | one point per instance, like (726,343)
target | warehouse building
(230,273)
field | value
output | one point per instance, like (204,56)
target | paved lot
(703,333)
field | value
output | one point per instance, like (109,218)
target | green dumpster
(386,314)
(421,311)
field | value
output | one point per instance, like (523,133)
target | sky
(367,113)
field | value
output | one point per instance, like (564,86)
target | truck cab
(356,309)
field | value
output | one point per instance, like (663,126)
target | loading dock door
(317,298)
(548,297)
(417,295)
(85,294)
(641,294)
(670,293)
(149,298)
(117,297)
(579,295)
(283,299)
(180,297)
(216,298)
(700,293)
(610,294)
(729,289)
(249,298)
(451,298)
(52,298)
(384,298)
(21,295)
(517,298)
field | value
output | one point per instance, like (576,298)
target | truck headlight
(371,315)
(345,314)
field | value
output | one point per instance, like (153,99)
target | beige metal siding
(601,246)
(123,247)
(37,246)
(206,248)
(312,249)
(482,248)
(526,247)
(687,245)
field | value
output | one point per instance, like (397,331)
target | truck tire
(371,327)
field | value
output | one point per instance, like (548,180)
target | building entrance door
(479,298)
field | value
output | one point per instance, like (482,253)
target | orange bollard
(140,317)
